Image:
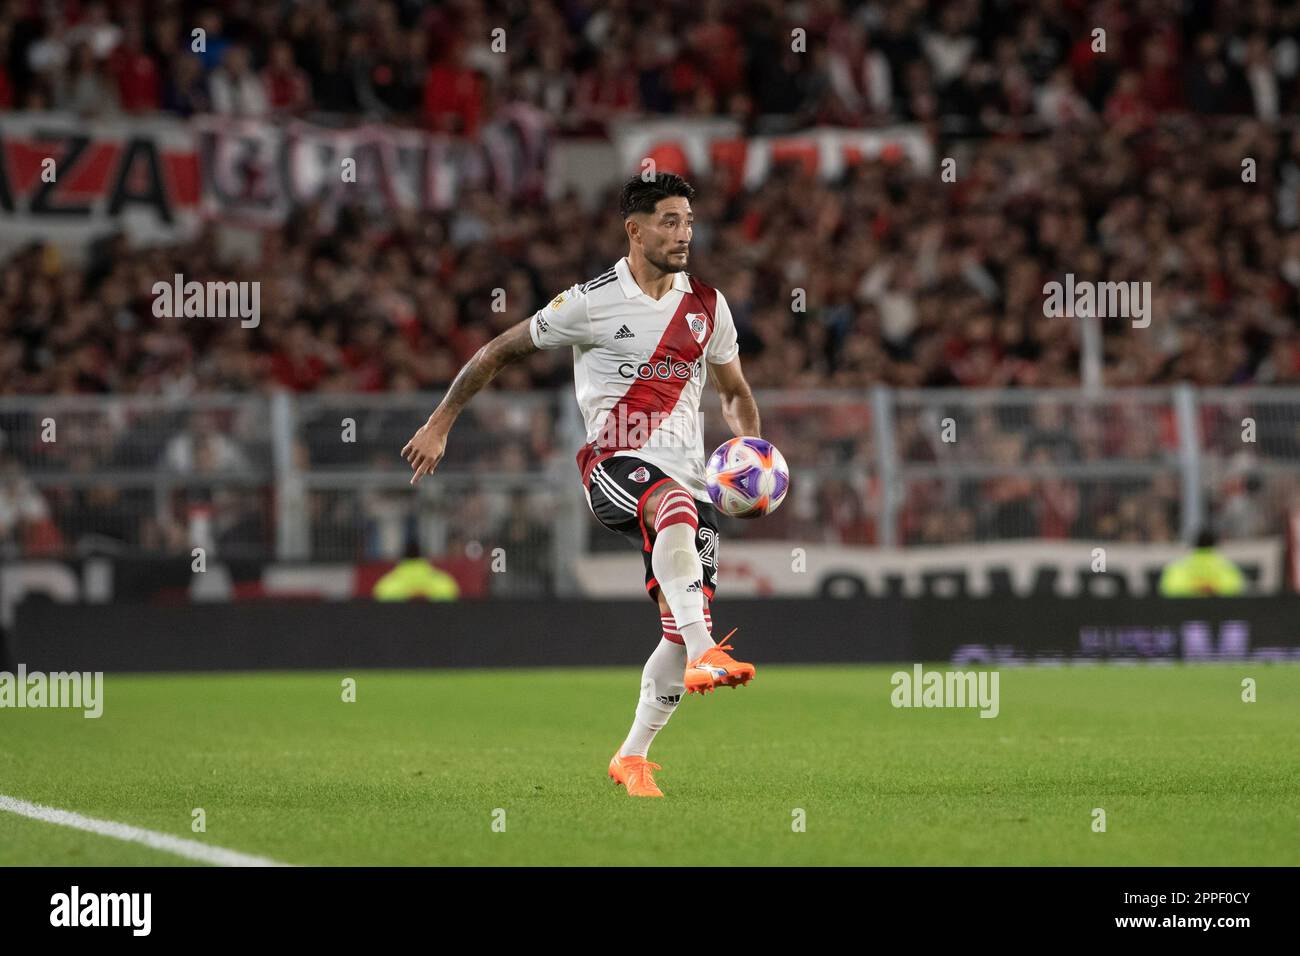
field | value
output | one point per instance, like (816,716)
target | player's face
(666,234)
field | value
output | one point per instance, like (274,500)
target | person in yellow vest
(415,577)
(1203,573)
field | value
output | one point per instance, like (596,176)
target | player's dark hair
(642,195)
(1206,538)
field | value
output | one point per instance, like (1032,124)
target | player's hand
(425,449)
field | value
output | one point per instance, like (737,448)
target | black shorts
(616,492)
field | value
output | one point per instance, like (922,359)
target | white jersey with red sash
(639,367)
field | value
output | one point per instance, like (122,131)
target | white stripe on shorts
(608,482)
(616,495)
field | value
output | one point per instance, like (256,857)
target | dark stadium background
(877,298)
(198,506)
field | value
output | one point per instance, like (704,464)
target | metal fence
(136,474)
(501,485)
(989,465)
(319,477)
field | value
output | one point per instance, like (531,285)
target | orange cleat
(634,774)
(716,668)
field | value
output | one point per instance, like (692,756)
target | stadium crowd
(1126,167)
(902,283)
(769,63)
(1134,173)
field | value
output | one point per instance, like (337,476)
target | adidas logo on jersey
(624,333)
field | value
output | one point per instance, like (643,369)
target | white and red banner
(255,171)
(717,147)
(68,180)
(158,178)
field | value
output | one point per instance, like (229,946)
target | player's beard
(667,266)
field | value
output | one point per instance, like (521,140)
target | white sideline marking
(191,849)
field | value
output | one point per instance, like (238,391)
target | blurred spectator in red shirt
(453,95)
(609,88)
(1127,106)
(297,364)
(713,44)
(6,78)
(287,88)
(1162,87)
(139,86)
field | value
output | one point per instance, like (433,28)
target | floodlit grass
(413,771)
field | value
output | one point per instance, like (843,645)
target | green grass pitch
(412,772)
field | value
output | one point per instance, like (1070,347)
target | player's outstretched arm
(426,447)
(738,405)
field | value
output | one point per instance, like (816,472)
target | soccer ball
(747,477)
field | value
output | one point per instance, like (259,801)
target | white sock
(661,690)
(674,635)
(680,575)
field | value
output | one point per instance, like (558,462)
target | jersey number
(709,550)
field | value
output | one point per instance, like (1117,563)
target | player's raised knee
(672,505)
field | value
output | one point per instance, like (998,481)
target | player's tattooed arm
(426,447)
(510,346)
(738,405)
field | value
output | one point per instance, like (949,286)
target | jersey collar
(681,283)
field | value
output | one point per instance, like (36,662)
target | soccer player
(644,334)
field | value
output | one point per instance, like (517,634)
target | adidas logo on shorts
(624,333)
